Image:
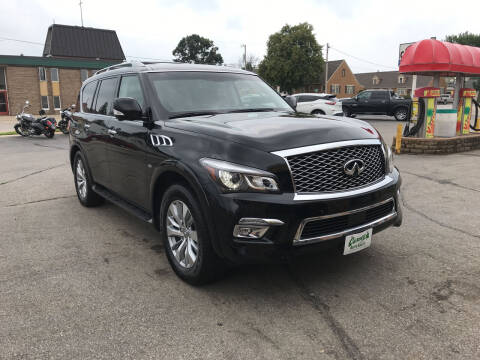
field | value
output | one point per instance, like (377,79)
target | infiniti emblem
(354,167)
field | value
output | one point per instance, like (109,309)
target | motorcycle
(66,115)
(27,124)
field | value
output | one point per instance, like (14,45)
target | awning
(429,57)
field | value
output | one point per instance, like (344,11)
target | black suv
(224,167)
(377,102)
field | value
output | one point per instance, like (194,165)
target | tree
(294,58)
(196,49)
(465,38)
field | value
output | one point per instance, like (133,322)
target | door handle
(112,132)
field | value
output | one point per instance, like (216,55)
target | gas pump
(464,110)
(476,122)
(423,112)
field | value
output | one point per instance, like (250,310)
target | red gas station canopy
(428,57)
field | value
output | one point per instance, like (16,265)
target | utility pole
(244,56)
(81,12)
(326,69)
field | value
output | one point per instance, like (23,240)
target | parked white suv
(318,103)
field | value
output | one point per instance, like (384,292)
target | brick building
(341,81)
(52,81)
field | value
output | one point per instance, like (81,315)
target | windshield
(192,93)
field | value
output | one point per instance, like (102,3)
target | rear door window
(106,94)
(379,95)
(88,93)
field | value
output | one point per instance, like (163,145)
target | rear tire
(83,183)
(186,238)
(318,112)
(50,134)
(401,114)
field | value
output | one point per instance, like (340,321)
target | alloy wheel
(182,234)
(81,180)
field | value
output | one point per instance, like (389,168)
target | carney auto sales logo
(161,140)
(354,167)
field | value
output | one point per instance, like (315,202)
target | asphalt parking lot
(95,284)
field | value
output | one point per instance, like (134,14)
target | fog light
(254,228)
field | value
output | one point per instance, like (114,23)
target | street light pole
(81,12)
(326,69)
(244,56)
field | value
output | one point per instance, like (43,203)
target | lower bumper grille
(331,226)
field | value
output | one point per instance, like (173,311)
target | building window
(376,80)
(83,74)
(349,89)
(45,105)
(402,79)
(54,74)
(343,72)
(335,89)
(56,103)
(41,74)
(3,82)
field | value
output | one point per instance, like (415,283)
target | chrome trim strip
(320,147)
(336,195)
(297,241)
(260,222)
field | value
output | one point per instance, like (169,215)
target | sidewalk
(7,122)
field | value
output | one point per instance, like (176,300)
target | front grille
(323,171)
(332,225)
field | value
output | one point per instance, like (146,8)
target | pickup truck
(377,102)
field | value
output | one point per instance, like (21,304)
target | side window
(106,94)
(379,95)
(87,96)
(130,87)
(365,95)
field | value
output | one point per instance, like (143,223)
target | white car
(319,104)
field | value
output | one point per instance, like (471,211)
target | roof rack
(133,63)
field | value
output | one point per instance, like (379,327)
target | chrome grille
(322,171)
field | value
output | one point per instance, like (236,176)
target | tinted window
(87,96)
(379,95)
(130,87)
(106,94)
(54,74)
(44,100)
(3,84)
(365,95)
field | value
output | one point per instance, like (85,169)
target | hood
(275,131)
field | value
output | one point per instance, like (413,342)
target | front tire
(186,237)
(19,130)
(401,114)
(83,183)
(50,133)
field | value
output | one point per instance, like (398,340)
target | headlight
(389,157)
(237,178)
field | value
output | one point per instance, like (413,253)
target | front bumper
(281,240)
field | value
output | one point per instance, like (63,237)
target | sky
(365,33)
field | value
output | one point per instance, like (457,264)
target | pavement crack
(50,146)
(440,223)
(348,344)
(42,200)
(31,174)
(441,182)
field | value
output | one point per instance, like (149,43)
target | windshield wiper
(251,110)
(193,113)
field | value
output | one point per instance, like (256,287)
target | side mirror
(292,101)
(127,109)
(27,102)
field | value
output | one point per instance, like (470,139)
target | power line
(360,59)
(22,41)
